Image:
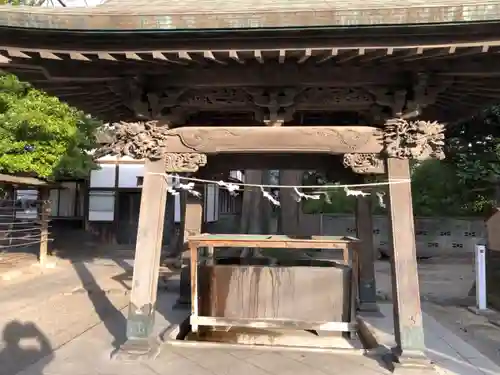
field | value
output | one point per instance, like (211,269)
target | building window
(101,205)
(26,204)
(229,204)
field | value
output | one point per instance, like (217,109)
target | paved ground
(442,280)
(55,307)
(68,319)
(89,354)
(11,263)
(451,354)
(444,287)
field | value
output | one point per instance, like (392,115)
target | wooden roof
(24,181)
(94,72)
(227,14)
(455,64)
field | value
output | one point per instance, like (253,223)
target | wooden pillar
(193,221)
(140,342)
(366,258)
(408,328)
(44,194)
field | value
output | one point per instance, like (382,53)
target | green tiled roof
(225,14)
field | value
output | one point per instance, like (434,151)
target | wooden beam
(282,56)
(286,74)
(132,56)
(140,342)
(235,56)
(210,56)
(402,54)
(258,56)
(264,139)
(328,56)
(267,73)
(408,327)
(305,57)
(25,181)
(348,56)
(375,54)
(105,56)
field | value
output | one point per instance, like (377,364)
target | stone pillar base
(137,349)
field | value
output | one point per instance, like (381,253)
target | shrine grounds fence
(435,236)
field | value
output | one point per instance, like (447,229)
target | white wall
(62,202)
(101,208)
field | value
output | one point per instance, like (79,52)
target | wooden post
(364,228)
(140,321)
(193,220)
(44,193)
(408,328)
(193,250)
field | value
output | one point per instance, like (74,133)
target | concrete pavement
(69,320)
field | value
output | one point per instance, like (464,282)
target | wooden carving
(148,105)
(139,140)
(296,139)
(217,98)
(184,162)
(333,97)
(277,104)
(148,140)
(418,140)
(364,163)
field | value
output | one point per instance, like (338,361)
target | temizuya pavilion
(351,87)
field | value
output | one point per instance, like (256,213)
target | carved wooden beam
(391,98)
(184,162)
(418,140)
(399,138)
(290,139)
(146,140)
(364,163)
(425,92)
(278,104)
(148,105)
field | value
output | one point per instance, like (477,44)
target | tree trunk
(290,208)
(255,211)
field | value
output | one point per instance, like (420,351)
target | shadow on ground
(112,318)
(22,345)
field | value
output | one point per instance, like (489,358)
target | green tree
(473,151)
(437,191)
(41,136)
(23,2)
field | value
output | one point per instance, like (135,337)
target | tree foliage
(41,136)
(23,2)
(466,183)
(473,150)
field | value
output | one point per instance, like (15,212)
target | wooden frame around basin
(345,244)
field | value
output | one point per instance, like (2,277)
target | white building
(108,203)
